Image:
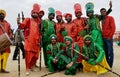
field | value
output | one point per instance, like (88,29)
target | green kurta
(53,51)
(70,56)
(47,30)
(95,54)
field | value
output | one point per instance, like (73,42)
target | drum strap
(2,28)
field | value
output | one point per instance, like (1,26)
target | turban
(58,13)
(88,37)
(68,38)
(3,12)
(53,36)
(36,8)
(77,8)
(51,11)
(67,14)
(89,8)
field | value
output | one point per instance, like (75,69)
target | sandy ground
(12,66)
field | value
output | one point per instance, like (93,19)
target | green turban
(51,11)
(88,37)
(53,36)
(68,38)
(89,8)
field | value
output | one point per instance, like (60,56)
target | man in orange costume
(70,27)
(4,54)
(59,26)
(32,41)
(80,25)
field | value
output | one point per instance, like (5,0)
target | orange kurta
(7,29)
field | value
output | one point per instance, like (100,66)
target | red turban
(58,13)
(67,14)
(77,8)
(36,8)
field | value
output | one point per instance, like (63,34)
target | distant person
(108,30)
(19,38)
(4,54)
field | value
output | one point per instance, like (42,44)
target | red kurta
(80,24)
(32,41)
(7,29)
(72,30)
(59,28)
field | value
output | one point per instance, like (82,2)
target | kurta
(48,28)
(7,29)
(80,24)
(71,56)
(71,30)
(32,41)
(59,29)
(53,51)
(5,54)
(95,54)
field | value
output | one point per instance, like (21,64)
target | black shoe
(4,71)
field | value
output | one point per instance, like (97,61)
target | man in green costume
(93,23)
(47,29)
(53,52)
(93,55)
(70,56)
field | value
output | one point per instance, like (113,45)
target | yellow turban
(3,12)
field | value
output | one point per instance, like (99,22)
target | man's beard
(34,16)
(1,17)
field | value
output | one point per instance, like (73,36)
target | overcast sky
(13,7)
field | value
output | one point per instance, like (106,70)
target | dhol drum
(4,42)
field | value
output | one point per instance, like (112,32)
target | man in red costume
(59,26)
(70,27)
(32,41)
(4,54)
(80,26)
